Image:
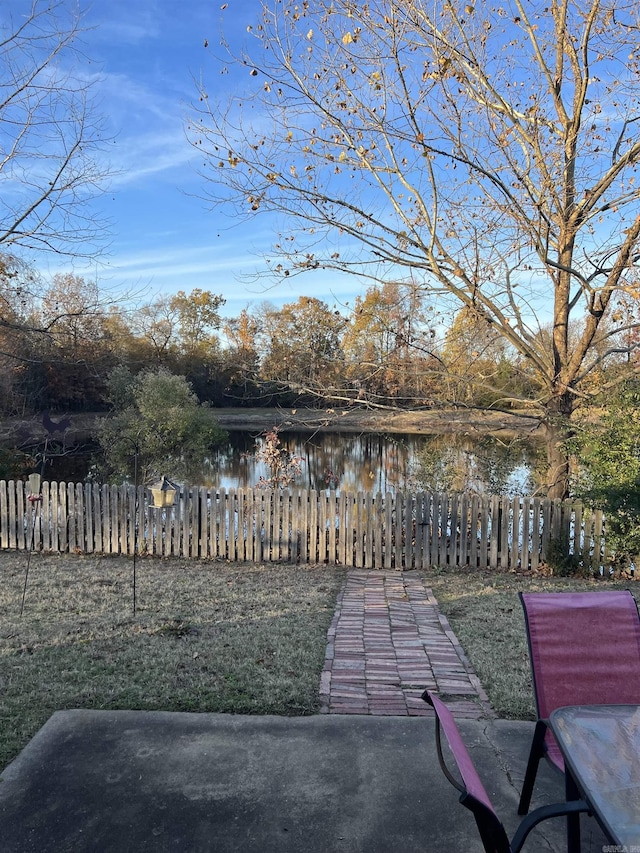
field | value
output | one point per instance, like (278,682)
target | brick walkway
(388,642)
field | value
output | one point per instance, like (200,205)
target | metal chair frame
(584,649)
(492,832)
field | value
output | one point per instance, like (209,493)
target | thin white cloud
(125,22)
(178,264)
(140,157)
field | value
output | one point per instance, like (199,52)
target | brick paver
(388,642)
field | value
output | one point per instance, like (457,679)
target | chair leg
(573,819)
(572,809)
(536,753)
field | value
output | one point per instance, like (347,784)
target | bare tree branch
(51,161)
(486,151)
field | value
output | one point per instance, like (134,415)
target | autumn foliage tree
(157,425)
(301,345)
(488,153)
(388,346)
(478,367)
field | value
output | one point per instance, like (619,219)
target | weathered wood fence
(296,525)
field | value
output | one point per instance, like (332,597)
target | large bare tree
(50,137)
(488,150)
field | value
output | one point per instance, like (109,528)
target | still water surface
(362,462)
(353,463)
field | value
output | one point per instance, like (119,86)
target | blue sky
(163,238)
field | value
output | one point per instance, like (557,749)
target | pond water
(363,462)
(353,463)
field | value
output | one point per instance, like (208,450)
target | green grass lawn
(206,636)
(486,616)
(215,636)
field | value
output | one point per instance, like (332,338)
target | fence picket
(410,532)
(388,530)
(20,513)
(323,532)
(11,521)
(423,515)
(463,531)
(268,536)
(513,533)
(80,517)
(535,533)
(452,558)
(578,546)
(341,533)
(357,548)
(365,534)
(250,515)
(281,533)
(257,527)
(228,541)
(379,531)
(398,525)
(348,532)
(226,526)
(545,533)
(185,525)
(484,529)
(598,549)
(505,527)
(495,530)
(4,514)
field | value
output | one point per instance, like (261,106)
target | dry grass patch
(486,616)
(206,636)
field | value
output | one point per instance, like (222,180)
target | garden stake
(35,501)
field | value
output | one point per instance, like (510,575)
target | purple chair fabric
(473,794)
(585,650)
(471,781)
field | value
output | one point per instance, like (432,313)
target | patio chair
(473,795)
(585,650)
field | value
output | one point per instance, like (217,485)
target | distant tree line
(61,341)
(156,367)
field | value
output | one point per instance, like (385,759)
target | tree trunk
(558,431)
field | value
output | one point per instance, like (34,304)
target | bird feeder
(164,493)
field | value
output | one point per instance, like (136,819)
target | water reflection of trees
(485,464)
(375,463)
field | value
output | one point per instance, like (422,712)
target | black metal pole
(135,521)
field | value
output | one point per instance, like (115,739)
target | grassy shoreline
(353,420)
(362,420)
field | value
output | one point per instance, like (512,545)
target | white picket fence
(297,525)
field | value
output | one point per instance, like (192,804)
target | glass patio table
(601,748)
